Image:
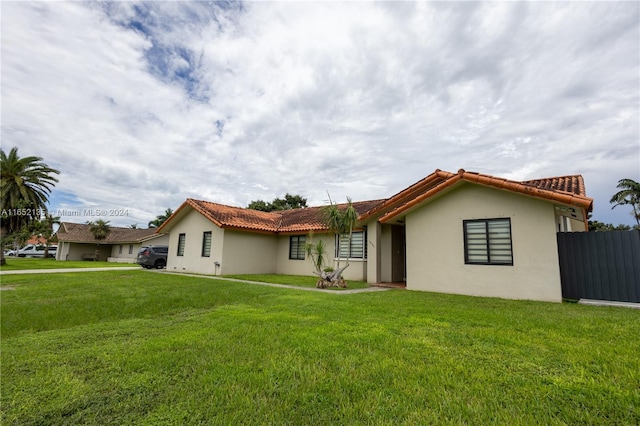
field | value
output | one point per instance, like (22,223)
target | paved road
(127,268)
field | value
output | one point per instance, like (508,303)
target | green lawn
(24,263)
(297,280)
(137,347)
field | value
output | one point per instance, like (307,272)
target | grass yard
(138,347)
(297,280)
(25,263)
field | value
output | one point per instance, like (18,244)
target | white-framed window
(120,249)
(130,248)
(488,242)
(206,244)
(181,242)
(296,247)
(358,245)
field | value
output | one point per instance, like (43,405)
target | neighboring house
(464,233)
(75,242)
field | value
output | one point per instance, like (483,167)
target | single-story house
(76,242)
(465,233)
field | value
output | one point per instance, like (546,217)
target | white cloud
(141,105)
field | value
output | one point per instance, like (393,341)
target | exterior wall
(374,245)
(435,246)
(75,251)
(193,225)
(357,270)
(125,256)
(249,253)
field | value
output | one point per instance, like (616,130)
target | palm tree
(100,230)
(629,195)
(341,222)
(160,219)
(25,185)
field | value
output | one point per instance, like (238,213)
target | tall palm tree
(160,219)
(629,194)
(25,185)
(100,230)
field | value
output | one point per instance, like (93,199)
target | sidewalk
(292,287)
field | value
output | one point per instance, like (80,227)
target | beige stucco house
(75,242)
(464,233)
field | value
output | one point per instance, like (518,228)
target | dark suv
(153,257)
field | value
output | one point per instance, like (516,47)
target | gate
(600,265)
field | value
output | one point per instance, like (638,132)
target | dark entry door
(398,259)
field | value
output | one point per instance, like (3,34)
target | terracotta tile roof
(568,190)
(79,233)
(283,221)
(573,184)
(540,188)
(36,240)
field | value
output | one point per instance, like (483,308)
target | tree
(629,194)
(25,185)
(100,230)
(160,219)
(595,226)
(341,222)
(287,203)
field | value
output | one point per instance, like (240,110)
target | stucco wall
(435,246)
(74,251)
(193,225)
(356,270)
(249,253)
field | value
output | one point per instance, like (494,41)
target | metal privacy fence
(600,265)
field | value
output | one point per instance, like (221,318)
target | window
(206,244)
(120,249)
(130,248)
(358,245)
(296,247)
(488,242)
(181,239)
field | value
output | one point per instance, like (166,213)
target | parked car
(153,257)
(36,250)
(10,252)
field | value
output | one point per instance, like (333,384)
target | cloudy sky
(141,105)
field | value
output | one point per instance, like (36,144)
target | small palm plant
(341,221)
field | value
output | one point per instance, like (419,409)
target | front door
(398,258)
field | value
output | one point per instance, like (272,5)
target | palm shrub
(100,230)
(340,221)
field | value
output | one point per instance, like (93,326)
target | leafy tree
(287,203)
(25,185)
(260,205)
(160,219)
(44,228)
(629,194)
(595,225)
(100,230)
